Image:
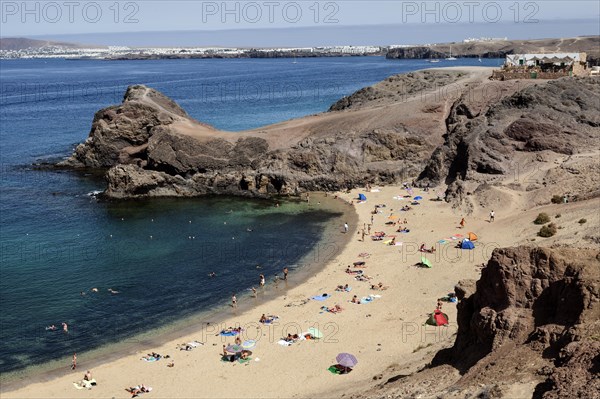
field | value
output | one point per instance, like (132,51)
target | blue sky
(61,19)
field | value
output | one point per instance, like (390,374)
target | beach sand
(377,333)
(388,331)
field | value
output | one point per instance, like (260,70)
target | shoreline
(192,324)
(403,304)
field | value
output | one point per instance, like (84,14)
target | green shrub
(557,199)
(542,218)
(547,231)
(582,221)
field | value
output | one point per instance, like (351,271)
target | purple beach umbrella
(346,360)
(234,348)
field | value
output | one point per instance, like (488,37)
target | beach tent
(362,197)
(467,244)
(472,236)
(437,318)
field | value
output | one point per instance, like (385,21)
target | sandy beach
(388,331)
(380,333)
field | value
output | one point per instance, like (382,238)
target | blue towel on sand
(320,297)
(228,334)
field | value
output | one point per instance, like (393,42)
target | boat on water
(434,60)
(451,58)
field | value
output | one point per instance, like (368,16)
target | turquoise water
(57,240)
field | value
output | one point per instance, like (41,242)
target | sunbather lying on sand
(403,230)
(359,264)
(291,338)
(138,389)
(343,288)
(350,271)
(362,277)
(379,287)
(332,309)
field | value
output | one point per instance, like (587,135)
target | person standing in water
(233,301)
(285,273)
(262,280)
(74,361)
(65,327)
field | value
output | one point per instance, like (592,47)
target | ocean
(58,240)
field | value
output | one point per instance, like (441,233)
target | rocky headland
(501,48)
(450,127)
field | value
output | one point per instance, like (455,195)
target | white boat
(435,60)
(451,58)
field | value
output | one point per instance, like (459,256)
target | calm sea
(57,240)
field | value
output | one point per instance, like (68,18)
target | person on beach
(369,229)
(363,235)
(87,376)
(346,227)
(439,304)
(371,219)
(262,280)
(285,273)
(355,299)
(253,292)
(492,216)
(238,340)
(233,301)
(462,223)
(74,362)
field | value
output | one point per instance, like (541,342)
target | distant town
(129,53)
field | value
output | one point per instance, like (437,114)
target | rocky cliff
(151,147)
(511,136)
(531,321)
(500,48)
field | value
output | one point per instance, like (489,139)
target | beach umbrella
(315,333)
(418,198)
(234,348)
(426,262)
(249,344)
(346,360)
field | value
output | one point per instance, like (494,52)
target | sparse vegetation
(542,218)
(582,221)
(558,215)
(557,199)
(548,231)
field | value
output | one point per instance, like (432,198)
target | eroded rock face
(120,133)
(537,301)
(151,147)
(480,144)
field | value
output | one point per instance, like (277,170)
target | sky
(108,22)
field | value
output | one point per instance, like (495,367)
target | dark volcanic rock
(546,301)
(559,116)
(120,133)
(152,148)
